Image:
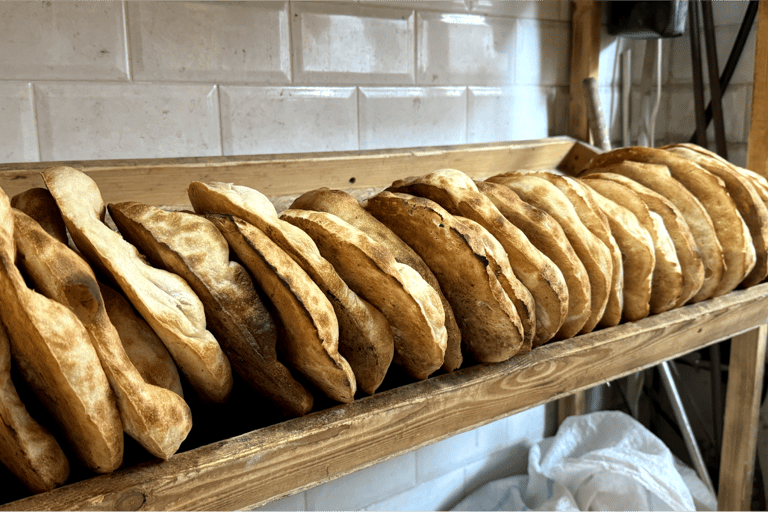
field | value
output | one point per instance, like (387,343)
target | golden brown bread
(747,199)
(637,251)
(347,208)
(157,418)
(667,285)
(365,336)
(54,354)
(592,252)
(312,330)
(595,221)
(39,204)
(410,305)
(687,252)
(142,345)
(163,299)
(548,236)
(27,449)
(659,179)
(731,231)
(192,247)
(456,252)
(457,193)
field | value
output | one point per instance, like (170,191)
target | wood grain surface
(257,467)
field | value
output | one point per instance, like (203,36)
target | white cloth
(600,461)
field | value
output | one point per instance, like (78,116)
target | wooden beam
(585,59)
(742,409)
(757,149)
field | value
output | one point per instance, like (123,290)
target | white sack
(600,461)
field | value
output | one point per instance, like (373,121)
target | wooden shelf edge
(263,465)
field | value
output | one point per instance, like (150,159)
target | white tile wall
(18,134)
(543,53)
(210,41)
(62,41)
(461,49)
(288,119)
(346,44)
(412,116)
(112,120)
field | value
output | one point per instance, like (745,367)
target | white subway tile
(210,41)
(516,113)
(344,44)
(288,120)
(62,41)
(110,120)
(18,135)
(294,502)
(524,428)
(638,114)
(490,114)
(446,456)
(365,487)
(737,154)
(412,116)
(745,69)
(438,494)
(542,53)
(554,10)
(457,49)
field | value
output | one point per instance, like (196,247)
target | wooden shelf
(266,464)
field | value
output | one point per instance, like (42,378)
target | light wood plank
(742,409)
(292,456)
(757,149)
(165,181)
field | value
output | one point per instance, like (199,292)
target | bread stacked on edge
(334,299)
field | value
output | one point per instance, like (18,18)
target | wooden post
(585,59)
(757,149)
(742,408)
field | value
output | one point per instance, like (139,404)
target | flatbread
(659,179)
(548,236)
(163,299)
(638,256)
(592,252)
(54,355)
(667,281)
(365,336)
(27,449)
(732,232)
(748,201)
(595,221)
(347,208)
(142,345)
(411,306)
(312,330)
(157,418)
(457,193)
(193,248)
(490,324)
(687,252)
(39,204)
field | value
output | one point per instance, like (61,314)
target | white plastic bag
(600,461)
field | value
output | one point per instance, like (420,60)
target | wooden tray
(272,462)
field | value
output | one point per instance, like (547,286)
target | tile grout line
(33,101)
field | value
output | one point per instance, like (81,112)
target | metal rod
(685,425)
(714,78)
(700,135)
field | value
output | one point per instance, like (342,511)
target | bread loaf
(163,299)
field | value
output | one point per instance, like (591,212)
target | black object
(647,20)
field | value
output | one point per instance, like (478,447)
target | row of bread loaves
(434,273)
